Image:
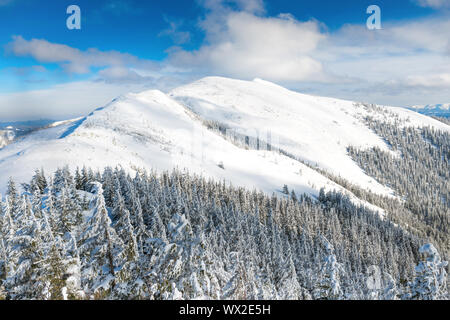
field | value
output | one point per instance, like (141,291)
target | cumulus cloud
(246,46)
(403,63)
(440,80)
(406,63)
(400,38)
(240,41)
(72,60)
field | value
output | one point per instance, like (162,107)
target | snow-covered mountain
(163,131)
(438,110)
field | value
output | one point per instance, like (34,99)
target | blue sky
(317,47)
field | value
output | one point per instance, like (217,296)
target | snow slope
(315,129)
(159,131)
(151,130)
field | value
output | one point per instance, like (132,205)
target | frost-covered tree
(390,291)
(235,289)
(180,236)
(431,276)
(124,228)
(12,198)
(38,182)
(26,277)
(331,272)
(68,205)
(101,250)
(72,265)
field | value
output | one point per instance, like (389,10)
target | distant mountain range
(437,110)
(9,131)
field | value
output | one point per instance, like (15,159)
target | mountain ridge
(438,110)
(162,131)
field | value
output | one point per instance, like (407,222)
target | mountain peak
(152,129)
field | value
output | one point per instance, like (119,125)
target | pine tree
(38,182)
(26,279)
(55,269)
(390,291)
(431,277)
(124,228)
(12,198)
(72,264)
(7,233)
(235,289)
(331,271)
(101,250)
(175,236)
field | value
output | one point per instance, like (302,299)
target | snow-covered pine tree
(101,250)
(130,283)
(50,205)
(12,198)
(38,182)
(431,276)
(331,271)
(55,269)
(124,228)
(72,264)
(390,288)
(7,233)
(68,206)
(289,288)
(204,222)
(26,279)
(235,288)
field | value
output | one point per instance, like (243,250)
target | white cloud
(440,80)
(73,60)
(395,38)
(247,46)
(406,63)
(241,42)
(399,65)
(436,4)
